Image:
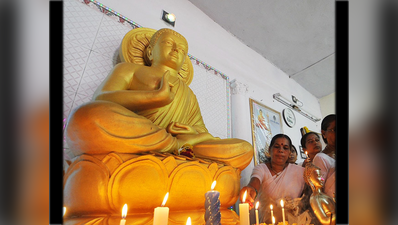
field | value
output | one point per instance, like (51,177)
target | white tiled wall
(91,41)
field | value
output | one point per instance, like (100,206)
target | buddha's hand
(176,128)
(164,92)
(251,195)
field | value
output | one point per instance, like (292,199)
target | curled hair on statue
(154,39)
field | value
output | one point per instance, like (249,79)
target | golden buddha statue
(322,205)
(142,112)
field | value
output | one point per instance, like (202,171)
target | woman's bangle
(254,189)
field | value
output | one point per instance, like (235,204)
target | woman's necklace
(330,152)
(277,173)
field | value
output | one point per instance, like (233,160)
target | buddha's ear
(149,55)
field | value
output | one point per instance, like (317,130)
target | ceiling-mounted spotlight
(169,18)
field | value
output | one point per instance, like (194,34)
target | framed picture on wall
(266,123)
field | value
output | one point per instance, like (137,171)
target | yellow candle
(161,214)
(273,220)
(189,221)
(272,212)
(124,214)
(244,211)
(283,212)
(257,213)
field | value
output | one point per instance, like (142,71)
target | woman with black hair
(293,155)
(311,144)
(275,180)
(326,160)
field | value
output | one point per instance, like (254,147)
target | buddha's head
(167,48)
(312,176)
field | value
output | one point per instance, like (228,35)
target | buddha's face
(169,50)
(316,178)
(280,151)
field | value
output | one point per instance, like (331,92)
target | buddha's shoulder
(129,70)
(127,65)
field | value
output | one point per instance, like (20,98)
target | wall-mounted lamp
(297,108)
(169,18)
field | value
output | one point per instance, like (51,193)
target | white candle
(283,212)
(273,220)
(124,214)
(272,212)
(306,153)
(257,213)
(189,221)
(244,211)
(122,222)
(161,214)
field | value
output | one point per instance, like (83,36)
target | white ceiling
(296,36)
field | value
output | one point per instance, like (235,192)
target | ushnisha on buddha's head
(168,48)
(312,176)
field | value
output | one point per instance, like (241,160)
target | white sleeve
(322,163)
(259,172)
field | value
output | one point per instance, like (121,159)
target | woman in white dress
(326,160)
(274,180)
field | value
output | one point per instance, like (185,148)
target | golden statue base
(97,186)
(228,217)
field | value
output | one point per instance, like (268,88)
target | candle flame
(64,211)
(271,206)
(282,203)
(306,153)
(165,199)
(273,220)
(124,211)
(213,185)
(257,204)
(244,196)
(189,221)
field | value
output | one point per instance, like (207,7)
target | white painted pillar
(241,125)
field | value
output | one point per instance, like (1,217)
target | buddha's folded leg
(234,152)
(101,127)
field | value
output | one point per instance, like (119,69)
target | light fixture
(295,107)
(169,18)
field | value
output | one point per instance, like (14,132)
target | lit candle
(244,211)
(212,206)
(273,220)
(283,212)
(306,153)
(124,214)
(64,211)
(272,212)
(189,221)
(257,213)
(161,214)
